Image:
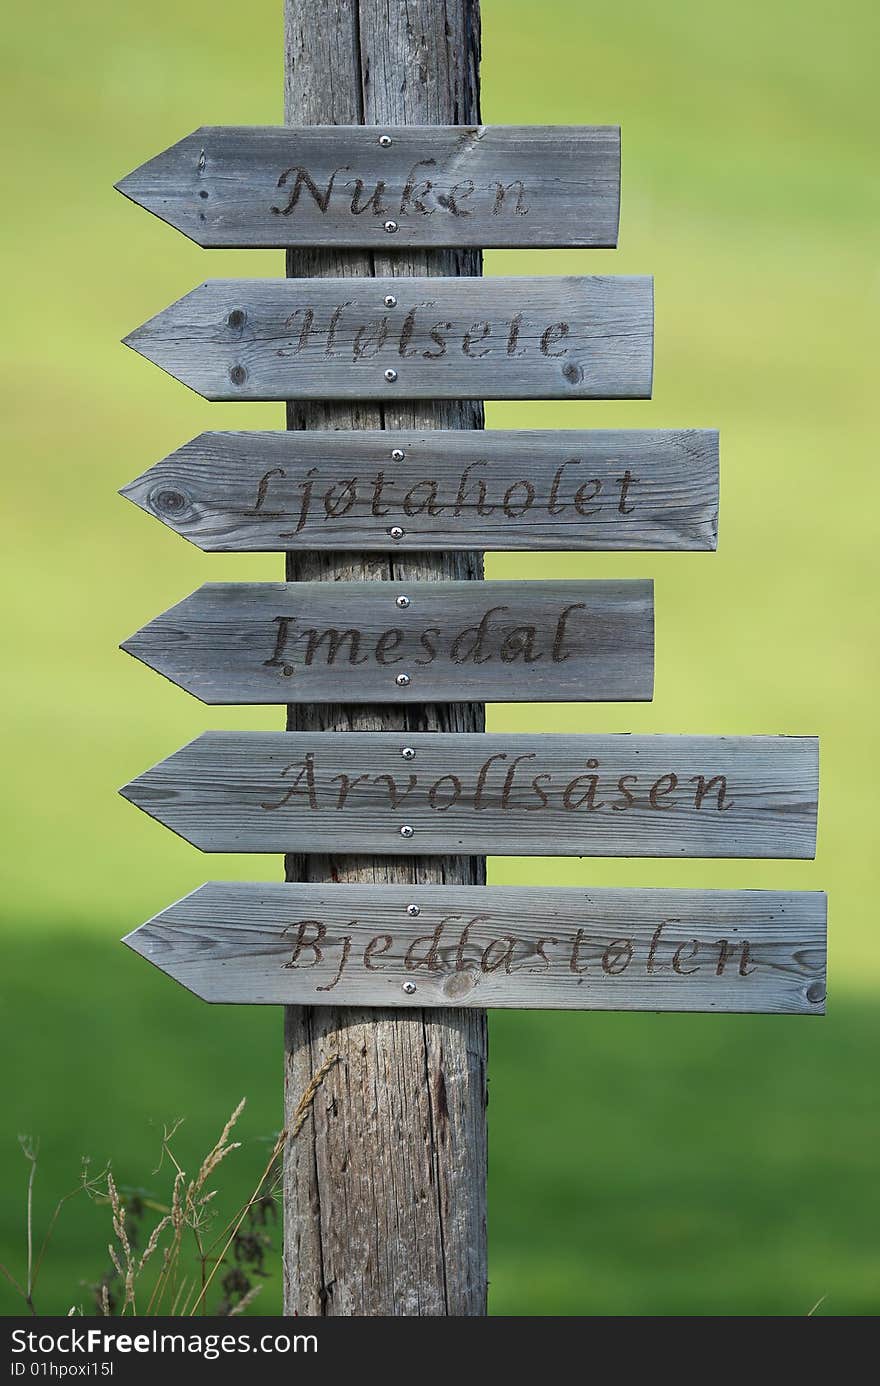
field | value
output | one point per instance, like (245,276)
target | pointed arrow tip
(137,494)
(130,188)
(138,648)
(158,340)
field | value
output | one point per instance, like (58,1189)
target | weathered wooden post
(385,1191)
(384,945)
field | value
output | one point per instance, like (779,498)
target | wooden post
(385,1187)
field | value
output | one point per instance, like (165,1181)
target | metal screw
(408,753)
(391,227)
(406,830)
(390,376)
(403,602)
(390,301)
(413,910)
(385,141)
(409,988)
(403,680)
(396,532)
(397,454)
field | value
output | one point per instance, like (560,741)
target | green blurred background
(639,1164)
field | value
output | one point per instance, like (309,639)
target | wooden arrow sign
(356,642)
(418,793)
(551,947)
(392,339)
(442,489)
(437,185)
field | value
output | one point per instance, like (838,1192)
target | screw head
(396,532)
(390,301)
(391,227)
(409,988)
(403,680)
(413,910)
(407,830)
(403,602)
(397,454)
(408,753)
(390,376)
(385,141)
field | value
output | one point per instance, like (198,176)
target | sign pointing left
(418,185)
(419,793)
(572,338)
(366,642)
(448,945)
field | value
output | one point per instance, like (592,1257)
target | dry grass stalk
(189,1212)
(290,1133)
(129,1271)
(245,1302)
(30,1150)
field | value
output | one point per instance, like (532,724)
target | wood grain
(263,642)
(600,489)
(479,185)
(385,1187)
(510,795)
(541,338)
(526,947)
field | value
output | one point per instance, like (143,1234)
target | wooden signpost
(317,641)
(540,489)
(648,796)
(384,944)
(626,950)
(430,185)
(575,338)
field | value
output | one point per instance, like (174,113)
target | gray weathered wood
(478,185)
(561,948)
(539,489)
(701,796)
(356,642)
(572,338)
(385,1186)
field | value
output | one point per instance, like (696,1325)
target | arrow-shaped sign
(553,795)
(559,947)
(574,338)
(419,185)
(358,642)
(439,489)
